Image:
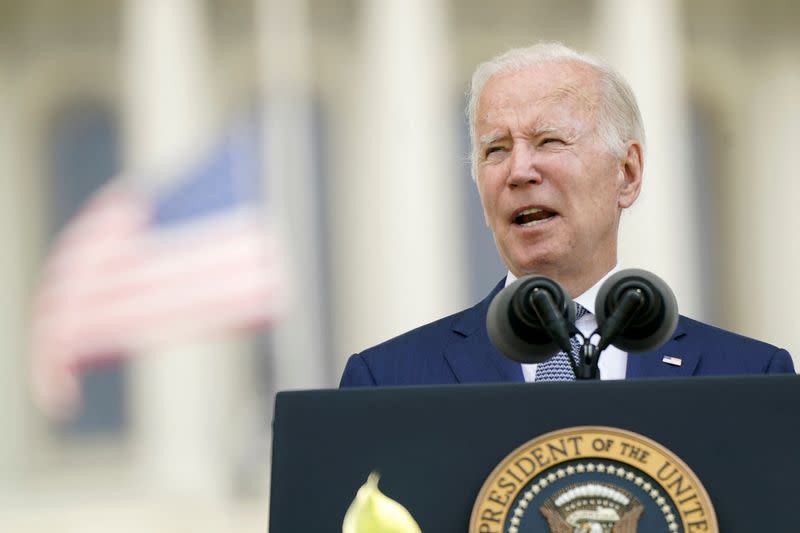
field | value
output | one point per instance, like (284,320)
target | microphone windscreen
(656,319)
(518,333)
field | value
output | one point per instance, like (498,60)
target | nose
(523,166)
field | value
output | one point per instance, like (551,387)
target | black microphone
(636,311)
(531,320)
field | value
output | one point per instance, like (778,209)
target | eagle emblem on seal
(592,508)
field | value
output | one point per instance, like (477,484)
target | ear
(631,168)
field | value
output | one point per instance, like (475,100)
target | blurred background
(357,109)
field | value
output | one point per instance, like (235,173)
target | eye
(551,140)
(493,149)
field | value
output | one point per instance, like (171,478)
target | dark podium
(435,446)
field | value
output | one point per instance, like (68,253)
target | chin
(532,258)
(536,258)
(539,266)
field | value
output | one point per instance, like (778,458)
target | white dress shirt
(613,361)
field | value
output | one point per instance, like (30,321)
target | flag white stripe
(155,261)
(115,284)
(184,289)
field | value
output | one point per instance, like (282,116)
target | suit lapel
(653,365)
(471,356)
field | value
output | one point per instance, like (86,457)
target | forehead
(562,86)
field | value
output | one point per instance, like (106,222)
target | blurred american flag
(135,270)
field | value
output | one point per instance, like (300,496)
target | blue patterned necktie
(557,368)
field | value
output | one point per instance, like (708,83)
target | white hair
(619,119)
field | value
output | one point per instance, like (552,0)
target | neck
(577,283)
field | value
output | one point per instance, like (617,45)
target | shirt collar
(586,299)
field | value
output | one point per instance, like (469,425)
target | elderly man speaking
(557,154)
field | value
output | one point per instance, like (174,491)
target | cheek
(603,210)
(604,194)
(489,195)
(485,204)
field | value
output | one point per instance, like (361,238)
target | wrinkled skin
(537,146)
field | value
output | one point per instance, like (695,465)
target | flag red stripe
(114,285)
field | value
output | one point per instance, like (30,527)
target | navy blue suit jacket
(457,349)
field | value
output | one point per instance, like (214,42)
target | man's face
(551,189)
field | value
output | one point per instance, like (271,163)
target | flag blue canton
(228,179)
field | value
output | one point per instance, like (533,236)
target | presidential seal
(592,479)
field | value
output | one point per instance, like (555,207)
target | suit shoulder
(428,336)
(740,351)
(723,335)
(416,357)
(437,334)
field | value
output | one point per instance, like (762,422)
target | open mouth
(533,216)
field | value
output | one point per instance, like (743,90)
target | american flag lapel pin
(674,361)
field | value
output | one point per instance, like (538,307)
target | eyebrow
(544,130)
(490,138)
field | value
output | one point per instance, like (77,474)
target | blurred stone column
(643,40)
(290,156)
(398,239)
(765,218)
(15,411)
(182,396)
